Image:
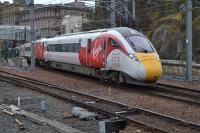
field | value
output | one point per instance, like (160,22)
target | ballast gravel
(31,102)
(93,86)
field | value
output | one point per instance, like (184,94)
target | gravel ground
(88,85)
(30,101)
(8,125)
(193,85)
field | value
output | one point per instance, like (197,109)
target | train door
(47,55)
(88,52)
(97,53)
(43,50)
(39,50)
(104,51)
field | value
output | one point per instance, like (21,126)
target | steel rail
(173,92)
(120,110)
(191,96)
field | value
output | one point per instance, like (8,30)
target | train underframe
(102,74)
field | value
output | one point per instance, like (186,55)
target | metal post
(113,14)
(133,6)
(189,40)
(125,10)
(19,58)
(32,35)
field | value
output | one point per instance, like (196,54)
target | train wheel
(48,65)
(121,79)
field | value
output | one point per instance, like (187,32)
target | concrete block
(14,108)
(112,125)
(83,113)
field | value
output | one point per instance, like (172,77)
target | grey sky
(53,1)
(46,1)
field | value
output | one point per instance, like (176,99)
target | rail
(150,119)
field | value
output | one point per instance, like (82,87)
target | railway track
(151,120)
(191,96)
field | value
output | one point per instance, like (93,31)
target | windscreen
(140,44)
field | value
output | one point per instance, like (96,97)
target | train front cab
(149,68)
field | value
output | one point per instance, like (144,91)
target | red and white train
(119,54)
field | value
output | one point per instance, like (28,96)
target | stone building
(1,13)
(48,18)
(9,13)
(71,24)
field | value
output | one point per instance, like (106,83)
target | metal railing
(177,68)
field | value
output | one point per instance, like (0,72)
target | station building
(47,18)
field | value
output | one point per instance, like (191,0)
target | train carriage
(118,54)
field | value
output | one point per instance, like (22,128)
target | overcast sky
(46,1)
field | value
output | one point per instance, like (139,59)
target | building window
(35,15)
(49,13)
(46,13)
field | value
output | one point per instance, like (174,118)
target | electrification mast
(30,4)
(189,40)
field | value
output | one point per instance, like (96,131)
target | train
(121,55)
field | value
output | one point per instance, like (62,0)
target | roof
(60,6)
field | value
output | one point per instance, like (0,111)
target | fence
(177,68)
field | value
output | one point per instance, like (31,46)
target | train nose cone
(141,72)
(153,69)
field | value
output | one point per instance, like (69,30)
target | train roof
(122,30)
(126,32)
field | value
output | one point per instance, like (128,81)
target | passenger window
(58,48)
(77,47)
(66,48)
(53,48)
(114,43)
(89,45)
(104,45)
(48,48)
(70,48)
(63,48)
(73,46)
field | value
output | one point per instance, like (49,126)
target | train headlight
(132,56)
(157,56)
